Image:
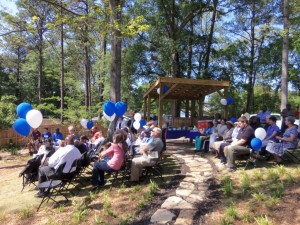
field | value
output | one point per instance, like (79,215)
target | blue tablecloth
(192,134)
(174,134)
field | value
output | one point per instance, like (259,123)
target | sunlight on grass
(2,216)
(231,212)
(227,186)
(263,220)
(245,182)
(25,213)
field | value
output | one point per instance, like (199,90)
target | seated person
(272,131)
(143,139)
(67,154)
(84,139)
(241,146)
(206,135)
(254,122)
(35,142)
(93,131)
(150,152)
(116,152)
(45,151)
(288,140)
(97,140)
(46,134)
(226,138)
(57,136)
(220,130)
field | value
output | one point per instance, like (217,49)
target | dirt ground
(11,197)
(13,202)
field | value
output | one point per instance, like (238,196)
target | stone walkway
(190,192)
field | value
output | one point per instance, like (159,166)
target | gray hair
(291,119)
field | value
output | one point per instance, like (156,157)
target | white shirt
(64,154)
(120,124)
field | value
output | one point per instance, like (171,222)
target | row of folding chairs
(60,182)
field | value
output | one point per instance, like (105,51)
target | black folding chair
(30,173)
(52,186)
(290,154)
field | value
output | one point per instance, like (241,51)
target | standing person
(288,140)
(263,114)
(35,141)
(285,113)
(57,136)
(116,152)
(121,123)
(130,124)
(46,134)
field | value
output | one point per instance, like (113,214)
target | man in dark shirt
(241,146)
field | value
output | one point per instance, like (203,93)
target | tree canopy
(68,57)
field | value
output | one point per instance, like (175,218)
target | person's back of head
(69,140)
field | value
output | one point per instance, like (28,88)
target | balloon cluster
(87,124)
(165,89)
(256,142)
(28,117)
(138,122)
(111,110)
(226,101)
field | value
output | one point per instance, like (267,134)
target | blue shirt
(46,135)
(57,136)
(209,130)
(271,130)
(262,116)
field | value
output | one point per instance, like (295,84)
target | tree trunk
(41,61)
(210,40)
(18,93)
(62,70)
(115,68)
(251,66)
(285,51)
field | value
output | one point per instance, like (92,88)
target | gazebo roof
(185,89)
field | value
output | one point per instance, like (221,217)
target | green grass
(263,220)
(227,187)
(25,213)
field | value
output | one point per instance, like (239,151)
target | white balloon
(158,90)
(137,117)
(84,122)
(34,118)
(223,101)
(109,118)
(136,125)
(260,133)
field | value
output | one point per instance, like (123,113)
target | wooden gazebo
(180,89)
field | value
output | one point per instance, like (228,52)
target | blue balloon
(256,144)
(23,109)
(109,108)
(121,109)
(229,100)
(21,127)
(142,123)
(233,119)
(166,88)
(89,124)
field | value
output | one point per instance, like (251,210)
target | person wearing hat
(150,151)
(57,136)
(142,139)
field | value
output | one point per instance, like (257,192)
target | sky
(8,6)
